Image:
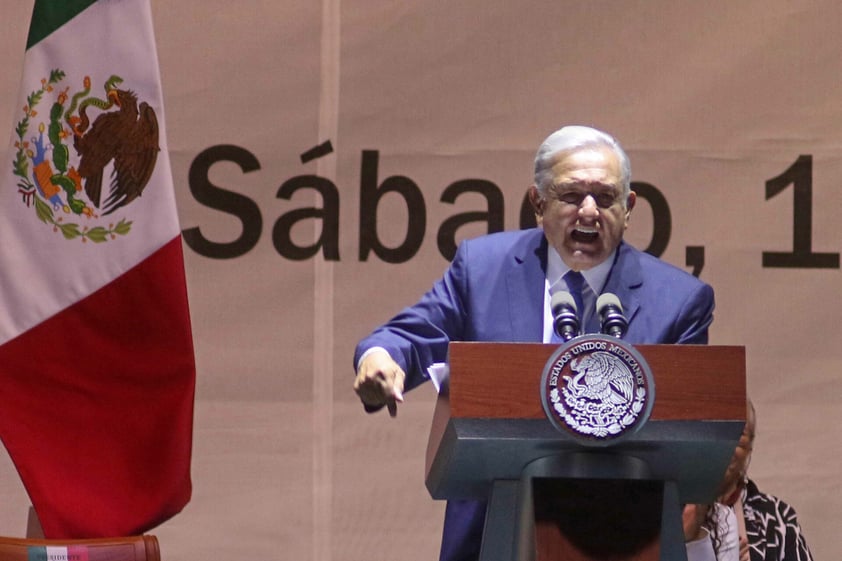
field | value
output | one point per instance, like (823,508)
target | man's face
(583,212)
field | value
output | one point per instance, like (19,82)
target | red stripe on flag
(97,405)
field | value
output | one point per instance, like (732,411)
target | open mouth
(584,235)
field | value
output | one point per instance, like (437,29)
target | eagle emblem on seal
(88,156)
(597,388)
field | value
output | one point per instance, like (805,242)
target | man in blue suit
(498,288)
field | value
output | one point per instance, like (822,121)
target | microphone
(611,319)
(565,319)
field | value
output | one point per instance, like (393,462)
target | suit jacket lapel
(625,279)
(525,282)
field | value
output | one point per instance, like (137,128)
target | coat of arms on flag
(97,371)
(62,167)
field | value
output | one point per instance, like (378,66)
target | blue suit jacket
(494,291)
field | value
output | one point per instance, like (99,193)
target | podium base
(584,507)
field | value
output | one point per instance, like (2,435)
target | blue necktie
(584,297)
(585,300)
(575,283)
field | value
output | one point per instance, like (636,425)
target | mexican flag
(97,370)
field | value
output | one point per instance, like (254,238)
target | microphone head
(611,318)
(563,298)
(565,319)
(608,299)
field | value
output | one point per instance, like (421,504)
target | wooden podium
(551,498)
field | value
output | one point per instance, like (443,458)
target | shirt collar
(595,276)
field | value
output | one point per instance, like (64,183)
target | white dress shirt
(556,269)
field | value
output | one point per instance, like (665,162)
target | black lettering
(329,214)
(493,217)
(527,213)
(224,200)
(694,256)
(661,217)
(317,151)
(370,194)
(800,176)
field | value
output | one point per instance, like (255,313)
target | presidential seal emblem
(597,389)
(85,156)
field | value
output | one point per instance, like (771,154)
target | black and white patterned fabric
(772,528)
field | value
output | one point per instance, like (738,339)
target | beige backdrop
(711,100)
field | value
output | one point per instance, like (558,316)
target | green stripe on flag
(49,15)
